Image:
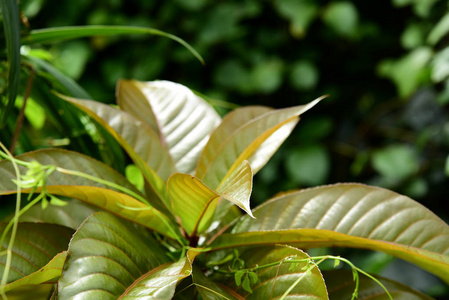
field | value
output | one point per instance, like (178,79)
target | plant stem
(20,118)
(14,228)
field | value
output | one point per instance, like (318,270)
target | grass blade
(11,23)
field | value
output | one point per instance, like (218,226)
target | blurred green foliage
(385,65)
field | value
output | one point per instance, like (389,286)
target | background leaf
(340,285)
(106,256)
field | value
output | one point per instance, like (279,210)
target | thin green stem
(14,227)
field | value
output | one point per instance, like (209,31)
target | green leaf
(68,83)
(341,285)
(184,120)
(275,280)
(252,134)
(34,247)
(11,24)
(439,30)
(308,165)
(57,34)
(348,215)
(301,13)
(195,203)
(50,271)
(139,141)
(238,277)
(395,161)
(342,17)
(107,256)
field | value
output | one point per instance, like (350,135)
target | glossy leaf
(49,35)
(135,135)
(51,271)
(256,139)
(185,121)
(190,199)
(119,204)
(70,215)
(11,26)
(274,281)
(107,256)
(195,203)
(341,285)
(349,215)
(139,141)
(68,160)
(161,282)
(35,246)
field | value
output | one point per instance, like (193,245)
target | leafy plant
(190,231)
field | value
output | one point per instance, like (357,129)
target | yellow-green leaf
(52,270)
(195,203)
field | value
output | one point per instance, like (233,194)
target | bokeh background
(384,65)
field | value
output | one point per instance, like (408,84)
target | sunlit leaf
(349,215)
(195,203)
(51,271)
(185,120)
(341,285)
(34,247)
(254,139)
(107,255)
(190,199)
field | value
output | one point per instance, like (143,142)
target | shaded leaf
(52,270)
(70,215)
(341,285)
(211,290)
(35,246)
(11,26)
(185,120)
(106,256)
(274,281)
(49,35)
(68,83)
(68,160)
(349,215)
(254,140)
